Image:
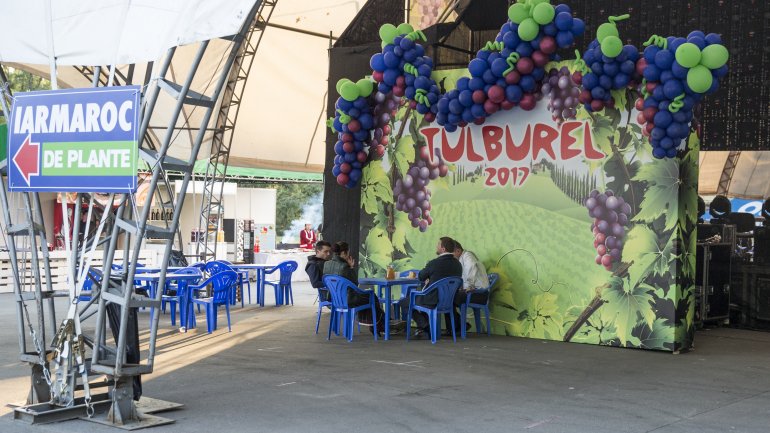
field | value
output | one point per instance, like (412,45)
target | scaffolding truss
(62,380)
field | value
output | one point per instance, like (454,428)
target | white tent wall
(750,178)
(285,90)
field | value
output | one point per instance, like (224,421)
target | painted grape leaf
(688,192)
(375,188)
(658,336)
(404,154)
(378,248)
(402,226)
(542,319)
(628,305)
(687,255)
(662,178)
(642,249)
(603,131)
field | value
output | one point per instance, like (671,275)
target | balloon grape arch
(672,74)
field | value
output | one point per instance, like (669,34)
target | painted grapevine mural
(575,180)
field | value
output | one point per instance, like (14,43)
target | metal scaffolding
(63,371)
(216,170)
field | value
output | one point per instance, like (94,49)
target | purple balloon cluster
(606,74)
(508,72)
(667,107)
(353,123)
(403,68)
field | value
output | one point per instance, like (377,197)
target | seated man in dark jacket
(443,266)
(315,267)
(344,265)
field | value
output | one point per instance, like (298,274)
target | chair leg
(454,333)
(210,315)
(374,319)
(408,322)
(464,316)
(248,284)
(489,326)
(331,324)
(227,311)
(434,324)
(172,305)
(318,321)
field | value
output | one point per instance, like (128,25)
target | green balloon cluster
(529,15)
(609,38)
(700,63)
(350,91)
(389,32)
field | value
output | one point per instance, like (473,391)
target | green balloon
(543,13)
(605,30)
(699,78)
(349,91)
(688,55)
(528,29)
(518,13)
(365,87)
(611,46)
(340,83)
(405,28)
(714,56)
(388,32)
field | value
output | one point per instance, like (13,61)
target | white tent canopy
(285,92)
(750,178)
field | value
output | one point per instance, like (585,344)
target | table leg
(181,290)
(260,283)
(387,312)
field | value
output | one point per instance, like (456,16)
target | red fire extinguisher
(256,245)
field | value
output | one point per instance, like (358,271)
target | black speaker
(743,221)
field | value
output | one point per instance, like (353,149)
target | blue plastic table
(259,270)
(183,284)
(387,285)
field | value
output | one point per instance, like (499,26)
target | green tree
(291,198)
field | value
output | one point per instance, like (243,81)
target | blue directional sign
(74,140)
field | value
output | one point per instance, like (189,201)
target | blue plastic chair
(217,266)
(405,289)
(282,287)
(321,305)
(446,289)
(176,298)
(222,287)
(338,288)
(477,308)
(87,292)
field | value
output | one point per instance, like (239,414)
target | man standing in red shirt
(307,237)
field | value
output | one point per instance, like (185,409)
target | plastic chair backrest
(223,283)
(286,269)
(446,289)
(493,277)
(199,265)
(215,267)
(338,288)
(91,276)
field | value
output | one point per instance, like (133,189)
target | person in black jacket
(315,267)
(443,266)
